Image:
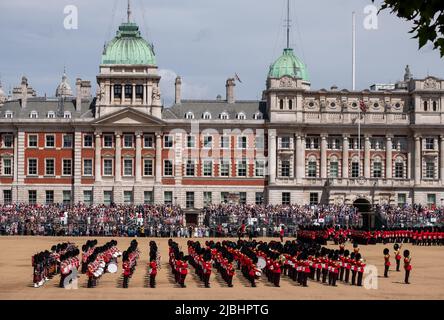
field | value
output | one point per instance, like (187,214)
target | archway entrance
(368,215)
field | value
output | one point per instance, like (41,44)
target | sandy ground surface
(427,279)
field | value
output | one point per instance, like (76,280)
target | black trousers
(206,279)
(353,278)
(347,275)
(125,282)
(152,280)
(182,280)
(318,274)
(407,275)
(386,270)
(276,278)
(360,275)
(398,264)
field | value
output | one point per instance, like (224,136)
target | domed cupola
(128,48)
(289,65)
(64,89)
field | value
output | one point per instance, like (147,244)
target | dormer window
(224,116)
(206,116)
(67,115)
(51,115)
(241,116)
(258,116)
(33,115)
(9,115)
(189,116)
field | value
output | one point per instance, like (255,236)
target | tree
(427,17)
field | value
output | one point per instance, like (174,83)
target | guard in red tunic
(386,262)
(206,264)
(126,266)
(183,270)
(281,233)
(397,249)
(360,269)
(407,265)
(152,270)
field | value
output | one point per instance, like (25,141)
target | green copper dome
(288,65)
(128,47)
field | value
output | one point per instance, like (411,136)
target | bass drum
(112,268)
(261,263)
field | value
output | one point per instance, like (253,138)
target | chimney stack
(24,88)
(78,94)
(178,86)
(231,83)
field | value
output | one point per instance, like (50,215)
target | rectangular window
(7,196)
(128,197)
(117,91)
(431,199)
(139,92)
(49,196)
(208,168)
(224,168)
(377,170)
(67,167)
(108,167)
(314,198)
(108,141)
(208,142)
(259,198)
(190,168)
(32,196)
(67,141)
(334,169)
(399,170)
(148,197)
(66,197)
(88,197)
(32,167)
(88,140)
(8,141)
(285,143)
(312,169)
(312,143)
(128,141)
(260,168)
(190,200)
(191,142)
(7,166)
(224,196)
(286,198)
(87,167)
(148,141)
(285,168)
(128,167)
(242,198)
(128,91)
(33,141)
(225,142)
(259,142)
(49,167)
(168,168)
(207,198)
(107,197)
(242,168)
(355,170)
(50,141)
(242,142)
(430,144)
(168,142)
(168,197)
(402,199)
(148,167)
(430,170)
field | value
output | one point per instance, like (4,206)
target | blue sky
(207,41)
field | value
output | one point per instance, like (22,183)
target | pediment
(128,117)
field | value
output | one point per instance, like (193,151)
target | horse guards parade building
(295,145)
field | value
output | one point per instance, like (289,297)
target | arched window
(399,168)
(206,116)
(377,167)
(312,168)
(435,106)
(241,116)
(189,116)
(290,104)
(281,104)
(426,106)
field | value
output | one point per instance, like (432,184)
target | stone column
(409,158)
(98,157)
(138,156)
(122,100)
(418,164)
(145,100)
(158,158)
(441,152)
(389,158)
(133,100)
(77,166)
(21,174)
(299,158)
(112,93)
(324,156)
(367,163)
(345,157)
(272,155)
(118,159)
